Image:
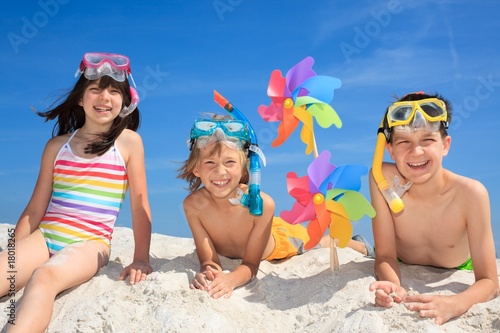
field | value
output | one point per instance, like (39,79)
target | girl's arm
(40,198)
(130,144)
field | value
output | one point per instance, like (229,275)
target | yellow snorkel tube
(393,199)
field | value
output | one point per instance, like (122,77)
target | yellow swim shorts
(289,238)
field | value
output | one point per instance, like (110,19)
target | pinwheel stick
(315,147)
(334,258)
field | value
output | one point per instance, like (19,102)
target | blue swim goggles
(206,131)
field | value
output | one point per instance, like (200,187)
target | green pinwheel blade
(325,115)
(354,203)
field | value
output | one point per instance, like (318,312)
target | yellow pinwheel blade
(340,226)
(307,132)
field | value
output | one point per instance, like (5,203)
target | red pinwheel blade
(276,91)
(298,188)
(298,214)
(276,86)
(271,113)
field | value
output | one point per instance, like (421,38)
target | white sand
(301,294)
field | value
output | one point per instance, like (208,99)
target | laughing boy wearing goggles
(217,169)
(445,221)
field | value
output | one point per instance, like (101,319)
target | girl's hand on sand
(138,271)
(386,293)
(221,284)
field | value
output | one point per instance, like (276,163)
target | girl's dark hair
(70,115)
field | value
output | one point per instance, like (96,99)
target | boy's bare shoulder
(267,198)
(465,185)
(192,199)
(390,168)
(191,196)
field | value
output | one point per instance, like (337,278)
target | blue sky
(181,51)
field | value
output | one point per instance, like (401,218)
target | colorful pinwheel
(300,96)
(327,197)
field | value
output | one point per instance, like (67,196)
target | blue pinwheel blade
(347,177)
(320,87)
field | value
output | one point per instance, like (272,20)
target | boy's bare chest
(442,224)
(229,233)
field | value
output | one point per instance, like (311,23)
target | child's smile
(219,169)
(420,165)
(220,182)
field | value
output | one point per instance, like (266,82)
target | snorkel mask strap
(253,199)
(133,104)
(385,132)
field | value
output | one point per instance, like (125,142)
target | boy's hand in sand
(138,271)
(387,292)
(441,308)
(221,285)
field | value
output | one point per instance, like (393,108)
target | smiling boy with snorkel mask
(427,215)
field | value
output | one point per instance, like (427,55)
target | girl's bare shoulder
(128,137)
(55,143)
(129,144)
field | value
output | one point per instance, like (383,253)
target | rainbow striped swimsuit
(86,198)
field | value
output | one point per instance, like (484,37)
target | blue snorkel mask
(252,200)
(233,133)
